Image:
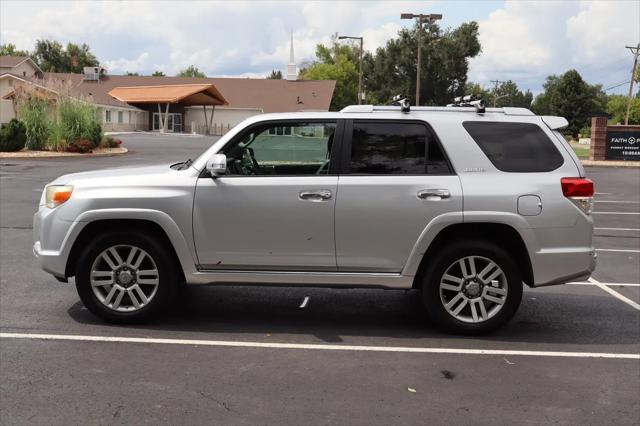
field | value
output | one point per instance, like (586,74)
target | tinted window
(282,149)
(395,148)
(515,147)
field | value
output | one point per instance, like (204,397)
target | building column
(166,119)
(598,146)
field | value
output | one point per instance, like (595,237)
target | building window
(120,116)
(107,116)
(129,121)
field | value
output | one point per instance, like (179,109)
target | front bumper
(53,238)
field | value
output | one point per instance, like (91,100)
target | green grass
(582,151)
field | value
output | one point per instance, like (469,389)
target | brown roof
(188,94)
(269,95)
(11,61)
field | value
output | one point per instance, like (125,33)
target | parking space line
(634,213)
(610,284)
(620,250)
(616,202)
(616,294)
(360,348)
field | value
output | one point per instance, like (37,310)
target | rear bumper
(552,267)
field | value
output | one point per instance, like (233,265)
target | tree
(9,49)
(158,74)
(275,75)
(191,71)
(617,108)
(131,73)
(443,74)
(51,56)
(338,61)
(508,95)
(571,97)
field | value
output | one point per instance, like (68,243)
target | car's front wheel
(472,287)
(126,277)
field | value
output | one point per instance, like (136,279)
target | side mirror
(217,165)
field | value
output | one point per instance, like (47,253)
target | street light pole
(430,18)
(360,66)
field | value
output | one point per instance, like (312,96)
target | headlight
(57,194)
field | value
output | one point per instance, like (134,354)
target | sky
(523,41)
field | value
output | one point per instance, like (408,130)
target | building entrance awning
(186,94)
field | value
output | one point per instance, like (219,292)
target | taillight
(579,191)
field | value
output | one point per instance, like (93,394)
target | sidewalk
(609,163)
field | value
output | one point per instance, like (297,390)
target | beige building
(236,99)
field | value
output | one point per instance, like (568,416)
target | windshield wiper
(183,165)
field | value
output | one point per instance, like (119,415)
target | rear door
(394,179)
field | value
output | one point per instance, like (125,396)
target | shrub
(96,133)
(82,146)
(35,117)
(109,142)
(13,136)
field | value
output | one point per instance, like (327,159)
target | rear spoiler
(555,122)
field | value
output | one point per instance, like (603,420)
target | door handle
(441,194)
(315,195)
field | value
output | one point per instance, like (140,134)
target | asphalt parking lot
(253,355)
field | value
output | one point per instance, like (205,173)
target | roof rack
(389,108)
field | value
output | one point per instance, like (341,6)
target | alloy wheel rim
(124,278)
(473,289)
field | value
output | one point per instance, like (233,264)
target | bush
(109,142)
(13,136)
(35,117)
(82,146)
(96,133)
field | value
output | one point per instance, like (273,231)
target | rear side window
(515,147)
(387,148)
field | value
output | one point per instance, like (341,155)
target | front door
(395,182)
(174,122)
(274,208)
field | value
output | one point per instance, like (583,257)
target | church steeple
(292,69)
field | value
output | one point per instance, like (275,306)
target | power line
(622,83)
(495,90)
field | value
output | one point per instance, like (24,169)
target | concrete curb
(606,163)
(106,152)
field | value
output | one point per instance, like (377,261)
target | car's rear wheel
(126,277)
(471,287)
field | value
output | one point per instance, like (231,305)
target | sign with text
(623,145)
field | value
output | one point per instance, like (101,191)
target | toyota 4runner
(463,205)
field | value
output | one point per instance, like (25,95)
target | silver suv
(465,206)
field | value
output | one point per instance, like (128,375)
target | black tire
(438,266)
(168,276)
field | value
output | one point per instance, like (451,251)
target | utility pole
(495,91)
(360,67)
(430,18)
(635,51)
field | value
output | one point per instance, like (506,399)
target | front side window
(399,148)
(515,147)
(282,149)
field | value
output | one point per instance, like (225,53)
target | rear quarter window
(515,147)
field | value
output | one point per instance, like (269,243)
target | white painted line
(633,213)
(620,250)
(305,302)
(616,202)
(616,294)
(360,348)
(609,284)
(617,229)
(604,193)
